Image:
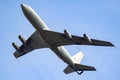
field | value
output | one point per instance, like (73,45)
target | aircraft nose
(22,6)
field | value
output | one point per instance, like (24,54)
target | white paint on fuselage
(39,25)
(62,53)
(33,17)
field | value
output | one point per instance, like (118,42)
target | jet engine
(87,38)
(22,39)
(15,46)
(67,34)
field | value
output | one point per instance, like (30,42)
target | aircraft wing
(33,42)
(60,39)
(54,39)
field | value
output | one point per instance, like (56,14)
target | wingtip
(16,56)
(94,69)
(112,45)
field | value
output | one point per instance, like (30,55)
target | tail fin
(78,57)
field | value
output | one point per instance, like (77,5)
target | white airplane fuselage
(39,25)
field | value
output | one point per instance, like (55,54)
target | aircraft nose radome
(23,5)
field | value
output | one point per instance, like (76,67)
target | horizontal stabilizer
(80,67)
(68,70)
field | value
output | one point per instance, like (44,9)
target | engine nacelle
(67,34)
(87,38)
(15,46)
(22,39)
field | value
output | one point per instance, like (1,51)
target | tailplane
(77,68)
(68,70)
(81,67)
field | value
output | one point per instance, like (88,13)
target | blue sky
(98,19)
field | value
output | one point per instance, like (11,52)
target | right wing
(33,42)
(60,39)
(95,42)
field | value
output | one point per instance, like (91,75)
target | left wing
(33,42)
(61,39)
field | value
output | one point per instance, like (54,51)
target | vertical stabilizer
(78,57)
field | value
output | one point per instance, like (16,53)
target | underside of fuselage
(62,53)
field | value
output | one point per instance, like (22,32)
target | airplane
(43,37)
